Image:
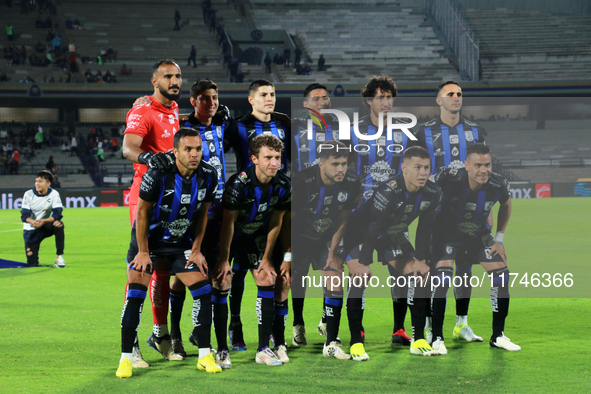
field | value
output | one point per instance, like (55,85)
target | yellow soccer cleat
(208,364)
(358,352)
(124,370)
(422,347)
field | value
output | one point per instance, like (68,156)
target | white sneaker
(321,328)
(139,359)
(299,335)
(439,346)
(60,262)
(502,342)
(334,350)
(281,353)
(464,331)
(222,359)
(266,356)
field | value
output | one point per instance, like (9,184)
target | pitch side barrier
(375,132)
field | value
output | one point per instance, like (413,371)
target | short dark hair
(45,175)
(201,85)
(334,149)
(313,86)
(416,151)
(170,62)
(257,84)
(382,82)
(479,149)
(444,84)
(268,140)
(184,132)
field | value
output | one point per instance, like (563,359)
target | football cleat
(178,348)
(463,331)
(502,342)
(124,370)
(439,346)
(281,353)
(358,352)
(236,338)
(222,358)
(322,330)
(266,356)
(429,335)
(208,364)
(139,359)
(60,262)
(335,350)
(163,346)
(299,335)
(401,338)
(422,347)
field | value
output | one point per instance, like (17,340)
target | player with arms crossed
(394,205)
(447,137)
(151,125)
(170,205)
(41,214)
(461,229)
(254,202)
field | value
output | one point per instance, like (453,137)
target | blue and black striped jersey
(305,150)
(464,211)
(447,145)
(176,201)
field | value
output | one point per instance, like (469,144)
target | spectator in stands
(50,36)
(89,76)
(65,146)
(111,54)
(177,18)
(125,70)
(56,183)
(239,76)
(107,77)
(73,146)
(268,62)
(69,23)
(286,56)
(321,62)
(47,23)
(57,42)
(77,25)
(52,79)
(9,32)
(192,57)
(50,165)
(276,59)
(39,22)
(3,77)
(298,55)
(15,161)
(39,47)
(234,69)
(22,55)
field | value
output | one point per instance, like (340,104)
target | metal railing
(458,34)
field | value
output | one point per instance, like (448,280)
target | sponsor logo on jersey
(274,200)
(168,192)
(321,225)
(215,162)
(178,227)
(404,218)
(183,211)
(436,137)
(263,207)
(243,177)
(408,208)
(208,135)
(327,200)
(392,184)
(212,147)
(342,197)
(380,171)
(251,227)
(258,217)
(326,211)
(219,131)
(185,198)
(456,164)
(166,134)
(424,205)
(251,132)
(468,216)
(439,152)
(320,137)
(281,134)
(367,194)
(171,119)
(453,139)
(470,206)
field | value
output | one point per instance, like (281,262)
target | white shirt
(41,207)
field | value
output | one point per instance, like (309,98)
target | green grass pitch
(60,327)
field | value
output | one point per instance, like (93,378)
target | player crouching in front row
(169,205)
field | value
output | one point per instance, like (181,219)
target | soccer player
(149,134)
(211,126)
(394,205)
(262,121)
(41,214)
(254,202)
(382,160)
(446,138)
(325,195)
(170,206)
(461,229)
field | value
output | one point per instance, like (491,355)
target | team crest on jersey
(488,205)
(212,147)
(449,249)
(327,200)
(391,184)
(263,207)
(320,137)
(455,151)
(397,137)
(453,139)
(281,134)
(243,177)
(201,194)
(469,135)
(342,197)
(171,119)
(424,205)
(219,131)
